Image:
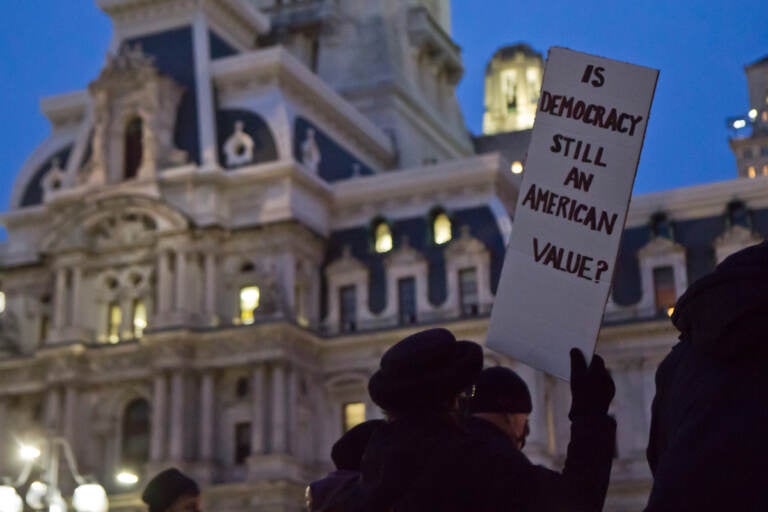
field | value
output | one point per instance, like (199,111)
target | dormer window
(382,237)
(441,228)
(133,147)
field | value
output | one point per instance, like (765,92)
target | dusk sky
(700,47)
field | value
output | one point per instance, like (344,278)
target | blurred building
(253,200)
(749,133)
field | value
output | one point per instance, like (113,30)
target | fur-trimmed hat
(425,370)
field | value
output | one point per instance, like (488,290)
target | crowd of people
(454,432)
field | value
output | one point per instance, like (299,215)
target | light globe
(90,498)
(10,501)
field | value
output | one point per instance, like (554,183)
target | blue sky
(53,46)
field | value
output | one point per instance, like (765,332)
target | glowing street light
(28,452)
(126,478)
(752,114)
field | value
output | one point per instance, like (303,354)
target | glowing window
(249,301)
(114,318)
(353,413)
(383,238)
(139,318)
(2,302)
(751,171)
(664,288)
(441,228)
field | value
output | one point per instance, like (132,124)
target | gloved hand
(592,388)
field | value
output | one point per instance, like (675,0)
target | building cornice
(277,63)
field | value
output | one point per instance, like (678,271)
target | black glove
(592,388)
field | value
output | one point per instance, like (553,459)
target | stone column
(177,416)
(279,412)
(205,101)
(206,416)
(157,441)
(292,408)
(210,288)
(60,295)
(5,442)
(164,284)
(70,415)
(52,409)
(181,274)
(77,277)
(258,406)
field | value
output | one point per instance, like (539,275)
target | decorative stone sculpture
(310,153)
(238,149)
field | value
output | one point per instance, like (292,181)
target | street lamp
(46,495)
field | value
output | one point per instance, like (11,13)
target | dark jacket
(433,463)
(320,493)
(708,445)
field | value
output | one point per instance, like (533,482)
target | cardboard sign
(581,164)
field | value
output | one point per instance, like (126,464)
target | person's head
(172,491)
(425,372)
(502,397)
(347,452)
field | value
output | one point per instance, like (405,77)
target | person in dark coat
(499,410)
(347,455)
(172,491)
(707,448)
(425,458)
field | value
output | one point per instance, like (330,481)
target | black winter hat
(347,452)
(166,487)
(425,371)
(500,389)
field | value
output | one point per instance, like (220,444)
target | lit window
(664,288)
(348,308)
(751,171)
(353,413)
(670,311)
(2,302)
(242,442)
(441,227)
(383,238)
(249,301)
(516,167)
(468,300)
(114,318)
(406,300)
(139,318)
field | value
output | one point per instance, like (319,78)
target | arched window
(249,301)
(134,147)
(139,318)
(441,228)
(114,319)
(135,441)
(382,237)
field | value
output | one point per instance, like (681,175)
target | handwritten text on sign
(581,164)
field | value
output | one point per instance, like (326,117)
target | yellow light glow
(516,167)
(249,301)
(2,302)
(354,414)
(383,238)
(739,123)
(751,171)
(753,114)
(442,229)
(115,318)
(126,478)
(670,311)
(28,452)
(139,318)
(765,170)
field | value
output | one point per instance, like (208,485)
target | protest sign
(581,164)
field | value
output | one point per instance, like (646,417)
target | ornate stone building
(253,200)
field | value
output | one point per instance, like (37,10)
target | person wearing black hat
(707,448)
(172,491)
(499,410)
(424,458)
(347,455)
